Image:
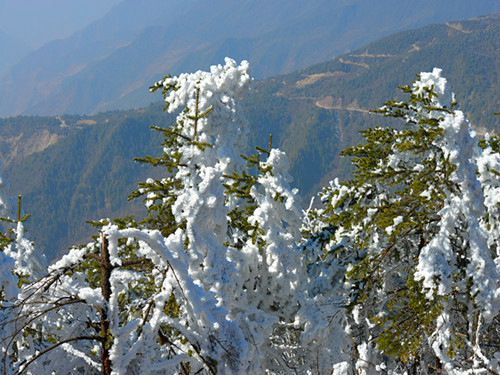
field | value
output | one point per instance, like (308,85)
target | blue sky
(37,22)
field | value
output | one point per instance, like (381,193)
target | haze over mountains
(12,51)
(110,64)
(36,22)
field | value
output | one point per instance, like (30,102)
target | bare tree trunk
(106,269)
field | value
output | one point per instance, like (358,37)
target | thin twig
(98,338)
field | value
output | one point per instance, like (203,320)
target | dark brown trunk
(106,269)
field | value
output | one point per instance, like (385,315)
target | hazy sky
(37,22)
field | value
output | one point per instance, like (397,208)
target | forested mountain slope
(352,84)
(110,64)
(80,167)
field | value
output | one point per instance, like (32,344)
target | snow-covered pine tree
(212,281)
(8,280)
(29,263)
(239,220)
(128,302)
(423,285)
(20,264)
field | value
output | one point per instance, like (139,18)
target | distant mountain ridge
(44,71)
(11,51)
(110,64)
(80,167)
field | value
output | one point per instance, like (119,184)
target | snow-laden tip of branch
(431,79)
(29,261)
(8,282)
(438,84)
(230,79)
(92,297)
(74,257)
